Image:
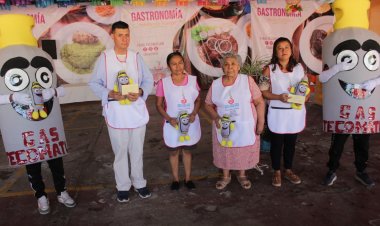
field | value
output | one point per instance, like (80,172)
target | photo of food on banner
(308,38)
(77,39)
(212,32)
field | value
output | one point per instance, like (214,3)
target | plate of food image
(209,40)
(311,40)
(105,14)
(78,47)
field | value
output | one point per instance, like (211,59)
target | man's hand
(115,95)
(133,96)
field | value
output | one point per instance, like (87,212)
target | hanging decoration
(6,4)
(65,3)
(138,2)
(44,3)
(161,2)
(182,2)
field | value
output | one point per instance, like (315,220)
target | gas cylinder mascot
(350,97)
(30,115)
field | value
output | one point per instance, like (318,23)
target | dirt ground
(90,180)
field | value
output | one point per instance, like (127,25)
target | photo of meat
(104,14)
(208,40)
(213,43)
(223,11)
(311,40)
(316,41)
(105,10)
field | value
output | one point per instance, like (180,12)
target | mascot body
(32,132)
(350,99)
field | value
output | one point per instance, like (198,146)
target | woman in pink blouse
(237,108)
(178,102)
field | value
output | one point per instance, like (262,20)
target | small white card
(131,88)
(297,99)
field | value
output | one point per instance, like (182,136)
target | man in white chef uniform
(126,115)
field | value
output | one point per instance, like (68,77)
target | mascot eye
(16,79)
(372,60)
(44,77)
(349,56)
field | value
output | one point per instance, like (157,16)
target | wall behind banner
(75,36)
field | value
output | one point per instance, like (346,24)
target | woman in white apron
(236,106)
(284,122)
(178,102)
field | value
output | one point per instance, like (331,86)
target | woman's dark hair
(173,54)
(119,25)
(292,62)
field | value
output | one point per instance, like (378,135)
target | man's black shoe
(363,178)
(330,178)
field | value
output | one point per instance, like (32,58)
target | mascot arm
(47,94)
(371,84)
(21,98)
(327,74)
(60,91)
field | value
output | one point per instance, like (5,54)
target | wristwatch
(142,92)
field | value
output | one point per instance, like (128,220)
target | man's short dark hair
(120,25)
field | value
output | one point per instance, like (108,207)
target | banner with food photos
(305,23)
(75,35)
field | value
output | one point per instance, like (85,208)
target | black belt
(282,108)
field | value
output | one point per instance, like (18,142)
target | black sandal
(189,184)
(175,186)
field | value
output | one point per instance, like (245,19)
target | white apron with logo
(120,116)
(179,99)
(281,117)
(235,101)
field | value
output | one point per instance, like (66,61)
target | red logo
(231,100)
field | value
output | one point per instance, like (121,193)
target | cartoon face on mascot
(34,132)
(347,107)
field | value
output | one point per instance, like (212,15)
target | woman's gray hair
(231,55)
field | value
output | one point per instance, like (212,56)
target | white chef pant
(128,143)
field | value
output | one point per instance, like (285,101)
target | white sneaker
(43,205)
(65,199)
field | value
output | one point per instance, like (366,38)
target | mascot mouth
(354,90)
(32,113)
